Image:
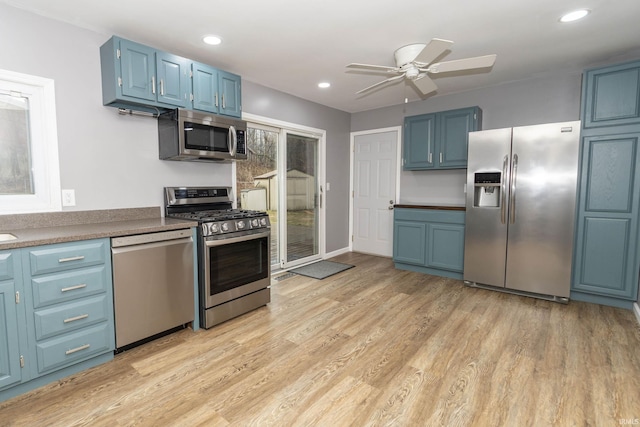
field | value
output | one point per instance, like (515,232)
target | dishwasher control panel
(139,239)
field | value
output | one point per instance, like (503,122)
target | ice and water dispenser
(486,191)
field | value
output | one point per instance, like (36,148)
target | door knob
(391,207)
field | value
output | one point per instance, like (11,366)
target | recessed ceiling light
(574,15)
(324,85)
(212,40)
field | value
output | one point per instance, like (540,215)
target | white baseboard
(336,253)
(636,310)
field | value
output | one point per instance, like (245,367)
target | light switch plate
(68,197)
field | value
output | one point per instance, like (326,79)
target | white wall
(551,99)
(111,160)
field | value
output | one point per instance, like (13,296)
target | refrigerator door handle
(514,173)
(503,207)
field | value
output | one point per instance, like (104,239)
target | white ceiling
(292,45)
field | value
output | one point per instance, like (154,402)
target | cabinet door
(446,246)
(205,87)
(419,139)
(230,95)
(453,129)
(9,344)
(409,242)
(612,96)
(606,261)
(138,69)
(173,79)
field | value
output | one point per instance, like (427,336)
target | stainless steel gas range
(234,267)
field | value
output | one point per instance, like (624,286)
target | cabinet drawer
(68,285)
(54,258)
(73,347)
(70,316)
(6,265)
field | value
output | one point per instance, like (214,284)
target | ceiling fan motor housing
(406,54)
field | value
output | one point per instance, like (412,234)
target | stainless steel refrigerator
(520,208)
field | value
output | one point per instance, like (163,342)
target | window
(29,170)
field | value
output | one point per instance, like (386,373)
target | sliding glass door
(302,204)
(284,162)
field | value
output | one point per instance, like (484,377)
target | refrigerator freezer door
(543,196)
(485,244)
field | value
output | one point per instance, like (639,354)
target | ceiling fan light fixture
(574,15)
(212,40)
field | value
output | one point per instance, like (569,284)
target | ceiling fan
(414,62)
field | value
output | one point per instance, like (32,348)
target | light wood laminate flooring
(371,346)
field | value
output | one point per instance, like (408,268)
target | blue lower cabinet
(429,241)
(56,313)
(12,328)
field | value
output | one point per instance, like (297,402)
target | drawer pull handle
(73,288)
(73,258)
(73,319)
(73,350)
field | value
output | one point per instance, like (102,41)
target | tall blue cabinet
(607,258)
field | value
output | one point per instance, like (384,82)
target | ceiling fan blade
(373,67)
(389,80)
(432,50)
(425,85)
(462,64)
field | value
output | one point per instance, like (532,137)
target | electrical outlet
(68,197)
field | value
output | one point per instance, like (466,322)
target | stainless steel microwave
(199,136)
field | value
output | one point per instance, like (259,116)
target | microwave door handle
(233,137)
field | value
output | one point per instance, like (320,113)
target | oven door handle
(227,241)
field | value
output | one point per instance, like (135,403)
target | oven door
(236,266)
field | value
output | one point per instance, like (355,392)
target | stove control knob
(214,228)
(263,221)
(240,224)
(254,222)
(225,226)
(205,230)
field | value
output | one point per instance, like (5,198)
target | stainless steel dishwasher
(153,284)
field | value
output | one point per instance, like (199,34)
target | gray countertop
(114,226)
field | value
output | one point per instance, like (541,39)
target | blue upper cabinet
(439,140)
(606,257)
(137,70)
(135,76)
(174,83)
(612,96)
(419,141)
(216,91)
(139,77)
(230,96)
(205,87)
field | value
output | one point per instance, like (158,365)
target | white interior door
(374,190)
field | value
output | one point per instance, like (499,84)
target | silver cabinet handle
(441,157)
(503,208)
(430,158)
(73,258)
(73,288)
(216,97)
(514,173)
(223,103)
(73,319)
(153,85)
(74,350)
(162,87)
